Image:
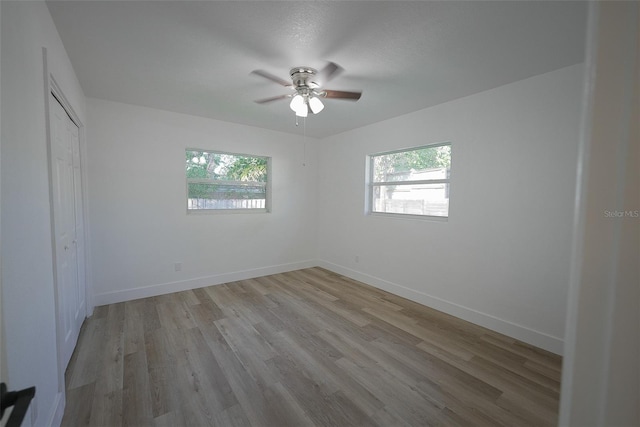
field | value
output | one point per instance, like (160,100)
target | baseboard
(522,333)
(199,282)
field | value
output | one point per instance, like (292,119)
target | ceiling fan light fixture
(303,112)
(315,105)
(297,103)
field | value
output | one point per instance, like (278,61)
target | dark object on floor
(20,400)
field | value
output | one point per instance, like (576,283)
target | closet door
(68,228)
(79,247)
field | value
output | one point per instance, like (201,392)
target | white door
(68,228)
(81,307)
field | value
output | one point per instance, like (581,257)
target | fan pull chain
(304,141)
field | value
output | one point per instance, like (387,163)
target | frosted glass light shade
(315,105)
(303,111)
(299,105)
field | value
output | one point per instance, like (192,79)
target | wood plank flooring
(305,348)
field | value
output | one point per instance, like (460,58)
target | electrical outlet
(177,266)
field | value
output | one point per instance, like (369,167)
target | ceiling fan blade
(341,94)
(273,98)
(271,77)
(329,72)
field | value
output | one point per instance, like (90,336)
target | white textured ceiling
(195,57)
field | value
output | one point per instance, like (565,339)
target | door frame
(51,87)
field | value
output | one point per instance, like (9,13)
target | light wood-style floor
(303,348)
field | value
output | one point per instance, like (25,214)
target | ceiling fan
(306,83)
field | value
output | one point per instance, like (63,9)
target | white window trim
(370,185)
(267,185)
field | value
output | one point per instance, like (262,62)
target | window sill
(226,211)
(408,216)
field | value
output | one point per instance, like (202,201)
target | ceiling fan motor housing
(302,77)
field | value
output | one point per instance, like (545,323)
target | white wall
(137,204)
(28,305)
(502,258)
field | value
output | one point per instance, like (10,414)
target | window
(410,182)
(227,182)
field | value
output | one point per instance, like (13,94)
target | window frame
(371,184)
(267,184)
